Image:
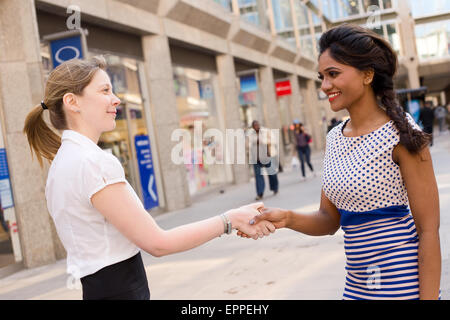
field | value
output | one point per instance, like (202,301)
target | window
(224,3)
(393,37)
(429,7)
(433,39)
(282,15)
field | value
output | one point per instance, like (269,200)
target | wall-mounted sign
(146,171)
(5,185)
(283,88)
(248,83)
(67,45)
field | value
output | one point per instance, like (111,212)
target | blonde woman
(99,218)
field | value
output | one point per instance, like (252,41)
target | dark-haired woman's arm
(418,175)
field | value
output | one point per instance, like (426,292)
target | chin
(337,108)
(110,127)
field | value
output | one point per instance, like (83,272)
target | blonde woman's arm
(120,207)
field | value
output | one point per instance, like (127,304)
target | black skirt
(125,280)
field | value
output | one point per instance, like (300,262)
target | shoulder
(100,162)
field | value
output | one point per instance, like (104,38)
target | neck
(94,136)
(365,111)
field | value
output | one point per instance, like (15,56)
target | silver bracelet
(226,224)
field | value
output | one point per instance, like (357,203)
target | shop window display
(197,110)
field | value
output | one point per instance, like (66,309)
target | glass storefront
(196,104)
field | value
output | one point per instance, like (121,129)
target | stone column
(164,114)
(296,98)
(270,105)
(230,105)
(313,123)
(21,89)
(411,59)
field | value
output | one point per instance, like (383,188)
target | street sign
(67,45)
(146,171)
(283,88)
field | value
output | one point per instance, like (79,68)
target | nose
(326,85)
(116,101)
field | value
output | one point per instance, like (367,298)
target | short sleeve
(99,170)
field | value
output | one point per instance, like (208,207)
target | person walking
(303,140)
(427,119)
(99,218)
(440,114)
(263,154)
(378,181)
(333,123)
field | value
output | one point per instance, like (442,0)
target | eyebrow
(329,68)
(104,85)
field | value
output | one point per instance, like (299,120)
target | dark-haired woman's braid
(409,137)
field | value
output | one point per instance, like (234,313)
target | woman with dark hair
(378,178)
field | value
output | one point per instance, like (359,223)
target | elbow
(333,229)
(156,252)
(158,246)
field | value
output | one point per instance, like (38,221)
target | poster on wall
(414,109)
(146,171)
(5,184)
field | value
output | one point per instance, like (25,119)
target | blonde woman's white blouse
(79,170)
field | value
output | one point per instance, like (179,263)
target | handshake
(255,221)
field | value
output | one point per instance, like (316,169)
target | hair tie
(43,105)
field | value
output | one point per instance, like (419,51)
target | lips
(333,96)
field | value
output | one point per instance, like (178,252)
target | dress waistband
(350,218)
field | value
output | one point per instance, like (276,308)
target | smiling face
(343,84)
(98,104)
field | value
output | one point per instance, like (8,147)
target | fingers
(258,218)
(270,226)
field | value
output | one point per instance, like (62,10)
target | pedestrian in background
(263,156)
(440,114)
(302,140)
(333,123)
(99,218)
(378,178)
(427,119)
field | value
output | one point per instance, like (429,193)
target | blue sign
(414,109)
(146,171)
(5,185)
(248,83)
(65,49)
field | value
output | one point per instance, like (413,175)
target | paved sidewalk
(286,265)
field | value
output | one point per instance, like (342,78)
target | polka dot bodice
(359,172)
